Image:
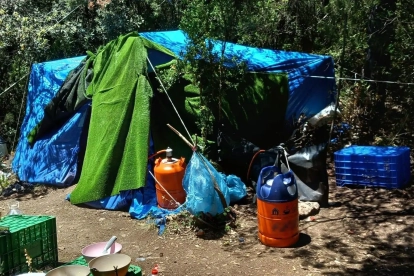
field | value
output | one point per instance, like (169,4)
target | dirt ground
(370,233)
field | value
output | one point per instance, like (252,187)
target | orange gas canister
(169,173)
(277,207)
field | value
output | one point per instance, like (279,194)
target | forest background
(371,42)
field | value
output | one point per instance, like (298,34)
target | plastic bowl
(105,265)
(69,270)
(95,250)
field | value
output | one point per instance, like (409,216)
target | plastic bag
(309,167)
(324,116)
(237,189)
(199,186)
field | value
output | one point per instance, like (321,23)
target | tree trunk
(381,34)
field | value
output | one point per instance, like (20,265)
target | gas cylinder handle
(287,161)
(264,176)
(283,151)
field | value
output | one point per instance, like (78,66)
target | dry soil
(370,233)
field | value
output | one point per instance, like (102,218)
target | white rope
(11,86)
(165,91)
(356,79)
(63,18)
(178,204)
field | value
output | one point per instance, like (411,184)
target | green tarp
(117,144)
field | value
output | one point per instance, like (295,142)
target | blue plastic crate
(367,172)
(367,180)
(387,167)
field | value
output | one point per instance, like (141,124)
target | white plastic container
(324,116)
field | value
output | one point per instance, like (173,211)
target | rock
(124,214)
(307,209)
(200,233)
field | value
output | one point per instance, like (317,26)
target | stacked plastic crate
(375,166)
(32,235)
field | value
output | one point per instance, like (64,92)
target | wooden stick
(181,136)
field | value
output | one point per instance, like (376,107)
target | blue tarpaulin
(311,77)
(54,158)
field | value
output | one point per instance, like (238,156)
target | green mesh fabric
(117,145)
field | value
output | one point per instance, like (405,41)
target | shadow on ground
(370,234)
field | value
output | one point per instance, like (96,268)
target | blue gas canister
(277,206)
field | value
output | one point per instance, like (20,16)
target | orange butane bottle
(169,172)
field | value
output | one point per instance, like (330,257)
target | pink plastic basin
(95,250)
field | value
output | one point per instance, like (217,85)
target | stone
(200,233)
(308,208)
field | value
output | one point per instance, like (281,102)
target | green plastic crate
(36,234)
(133,270)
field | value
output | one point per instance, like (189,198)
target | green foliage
(4,183)
(118,17)
(377,36)
(40,30)
(377,48)
(31,35)
(204,22)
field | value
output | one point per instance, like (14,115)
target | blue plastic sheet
(237,189)
(311,77)
(53,158)
(199,186)
(140,203)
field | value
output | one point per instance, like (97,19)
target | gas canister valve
(169,153)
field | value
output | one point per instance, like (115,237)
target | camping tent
(55,158)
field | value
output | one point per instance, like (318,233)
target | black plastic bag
(309,168)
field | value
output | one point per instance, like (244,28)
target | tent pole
(165,91)
(325,198)
(338,92)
